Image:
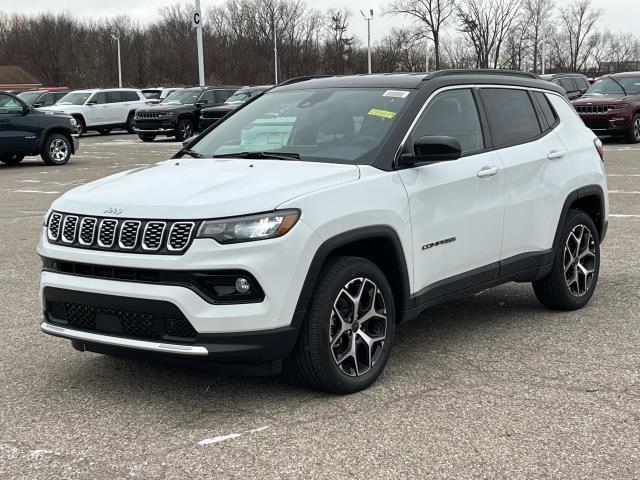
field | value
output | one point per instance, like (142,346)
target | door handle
(487,172)
(556,154)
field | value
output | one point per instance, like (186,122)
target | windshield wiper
(264,155)
(192,153)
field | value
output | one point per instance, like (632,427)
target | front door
(457,207)
(18,129)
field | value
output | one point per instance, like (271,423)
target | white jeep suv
(317,217)
(103,109)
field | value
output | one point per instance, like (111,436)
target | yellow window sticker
(382,113)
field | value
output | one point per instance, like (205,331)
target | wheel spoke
(580,260)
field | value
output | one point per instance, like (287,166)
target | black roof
(417,80)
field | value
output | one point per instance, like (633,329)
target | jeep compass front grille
(122,235)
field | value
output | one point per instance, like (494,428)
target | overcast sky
(619,15)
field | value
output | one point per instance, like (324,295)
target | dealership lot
(493,386)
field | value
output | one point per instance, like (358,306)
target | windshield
(74,98)
(29,97)
(151,94)
(336,125)
(609,86)
(242,95)
(183,97)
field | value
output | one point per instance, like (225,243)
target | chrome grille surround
(53,230)
(129,232)
(180,235)
(69,229)
(107,232)
(159,237)
(87,230)
(153,235)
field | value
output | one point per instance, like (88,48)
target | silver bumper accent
(122,342)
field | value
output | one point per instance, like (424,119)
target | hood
(204,188)
(60,108)
(595,99)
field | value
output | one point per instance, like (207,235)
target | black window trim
(541,114)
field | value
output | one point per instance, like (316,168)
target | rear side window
(548,114)
(511,116)
(581,83)
(567,84)
(452,114)
(129,96)
(114,97)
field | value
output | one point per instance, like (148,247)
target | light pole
(117,39)
(368,20)
(196,22)
(275,50)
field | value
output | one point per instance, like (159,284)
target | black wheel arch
(360,242)
(57,129)
(589,199)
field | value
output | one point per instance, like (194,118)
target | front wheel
(346,339)
(57,149)
(147,138)
(14,159)
(634,132)
(184,130)
(104,131)
(574,276)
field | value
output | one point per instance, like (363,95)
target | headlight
(250,228)
(73,122)
(45,220)
(166,114)
(618,106)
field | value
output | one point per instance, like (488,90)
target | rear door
(537,168)
(457,207)
(117,107)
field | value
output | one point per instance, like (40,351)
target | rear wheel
(184,130)
(129,125)
(345,341)
(56,150)
(82,127)
(14,159)
(147,138)
(573,279)
(633,135)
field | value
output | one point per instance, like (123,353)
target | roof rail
(303,78)
(480,71)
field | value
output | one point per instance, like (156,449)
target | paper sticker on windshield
(396,93)
(382,113)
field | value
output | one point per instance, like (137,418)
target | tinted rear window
(546,109)
(511,116)
(567,84)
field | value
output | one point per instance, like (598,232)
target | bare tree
(433,14)
(487,23)
(579,20)
(538,14)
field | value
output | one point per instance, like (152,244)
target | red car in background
(611,106)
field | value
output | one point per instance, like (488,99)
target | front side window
(581,83)
(74,98)
(10,106)
(47,99)
(100,98)
(340,125)
(511,115)
(567,84)
(452,114)
(29,97)
(208,97)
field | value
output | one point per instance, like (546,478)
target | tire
(104,131)
(333,368)
(56,149)
(129,125)
(147,138)
(633,135)
(82,127)
(580,243)
(14,159)
(184,130)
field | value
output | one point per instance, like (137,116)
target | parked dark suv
(27,131)
(611,106)
(214,114)
(178,115)
(575,84)
(44,97)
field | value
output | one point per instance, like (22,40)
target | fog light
(243,285)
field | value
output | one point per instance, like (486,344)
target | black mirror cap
(432,149)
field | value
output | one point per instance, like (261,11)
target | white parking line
(625,191)
(618,215)
(33,191)
(623,175)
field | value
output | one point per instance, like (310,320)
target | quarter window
(453,114)
(511,116)
(546,109)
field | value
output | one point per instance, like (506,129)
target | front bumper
(609,123)
(155,127)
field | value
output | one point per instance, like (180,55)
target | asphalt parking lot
(492,386)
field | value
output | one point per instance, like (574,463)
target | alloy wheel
(59,150)
(357,327)
(636,128)
(185,130)
(579,260)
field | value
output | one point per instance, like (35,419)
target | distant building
(615,67)
(15,78)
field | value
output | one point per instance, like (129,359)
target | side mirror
(201,103)
(26,110)
(38,104)
(91,102)
(432,149)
